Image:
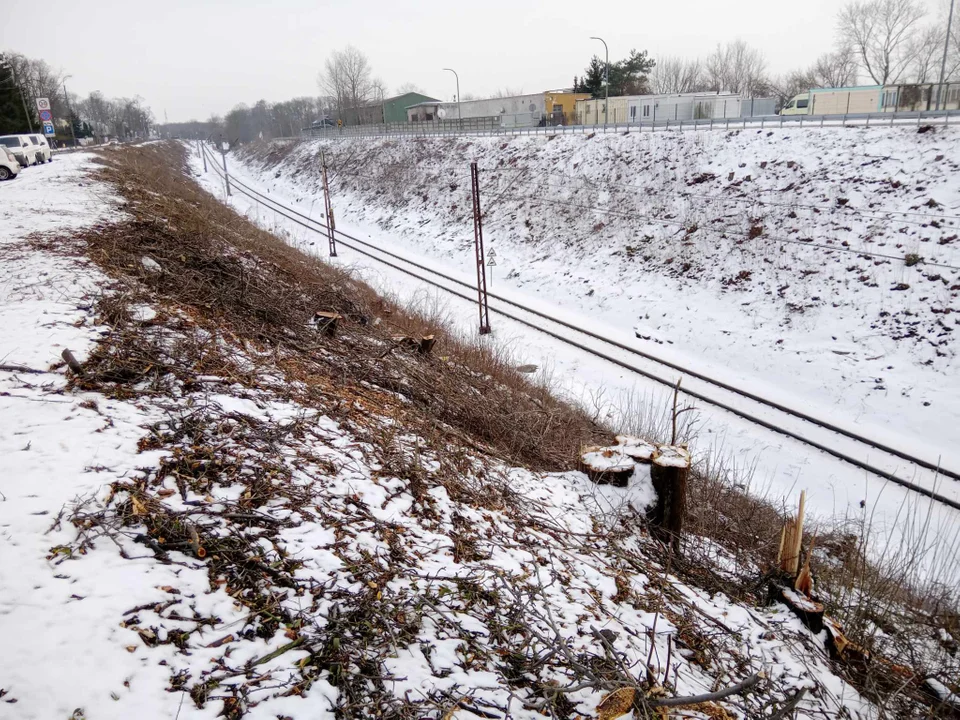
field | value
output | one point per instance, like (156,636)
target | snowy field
(893,386)
(97,630)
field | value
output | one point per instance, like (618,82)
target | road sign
(48,129)
(46,116)
(491,258)
(43,104)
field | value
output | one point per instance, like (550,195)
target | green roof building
(395,108)
(390,110)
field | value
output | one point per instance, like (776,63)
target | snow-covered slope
(207,525)
(736,253)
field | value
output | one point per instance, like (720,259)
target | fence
(484,126)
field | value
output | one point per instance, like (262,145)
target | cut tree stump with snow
(423,345)
(669,471)
(809,611)
(607,465)
(637,448)
(326,322)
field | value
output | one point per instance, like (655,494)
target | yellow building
(560,106)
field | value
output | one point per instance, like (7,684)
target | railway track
(820,434)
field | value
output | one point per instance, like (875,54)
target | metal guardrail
(944,117)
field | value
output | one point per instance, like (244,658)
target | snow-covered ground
(653,233)
(97,622)
(393,192)
(59,622)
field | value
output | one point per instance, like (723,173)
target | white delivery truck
(835,101)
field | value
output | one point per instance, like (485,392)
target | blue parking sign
(48,129)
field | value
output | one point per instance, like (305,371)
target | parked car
(9,166)
(21,147)
(42,147)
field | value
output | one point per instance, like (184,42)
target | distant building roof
(408,94)
(426,103)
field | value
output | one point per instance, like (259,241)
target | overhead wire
(262,199)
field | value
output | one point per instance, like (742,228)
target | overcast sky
(192,58)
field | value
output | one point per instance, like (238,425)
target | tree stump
(607,466)
(808,610)
(426,344)
(669,471)
(423,345)
(637,448)
(326,322)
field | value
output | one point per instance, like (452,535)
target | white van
(42,147)
(798,105)
(9,165)
(21,147)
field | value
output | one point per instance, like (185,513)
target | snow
(894,386)
(675,457)
(80,619)
(607,460)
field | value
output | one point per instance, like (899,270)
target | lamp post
(459,113)
(943,66)
(66,98)
(606,79)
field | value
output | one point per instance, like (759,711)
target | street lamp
(459,114)
(66,98)
(943,66)
(606,79)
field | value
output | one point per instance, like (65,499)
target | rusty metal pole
(226,175)
(331,223)
(478,247)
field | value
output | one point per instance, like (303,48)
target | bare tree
(835,70)
(793,83)
(378,89)
(736,67)
(882,34)
(677,75)
(347,79)
(927,52)
(410,88)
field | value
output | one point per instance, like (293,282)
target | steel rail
(264,200)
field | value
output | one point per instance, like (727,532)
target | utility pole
(606,80)
(946,50)
(226,175)
(328,207)
(478,248)
(459,113)
(66,98)
(203,155)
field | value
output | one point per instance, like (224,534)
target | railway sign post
(491,263)
(46,116)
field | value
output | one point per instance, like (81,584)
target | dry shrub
(228,272)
